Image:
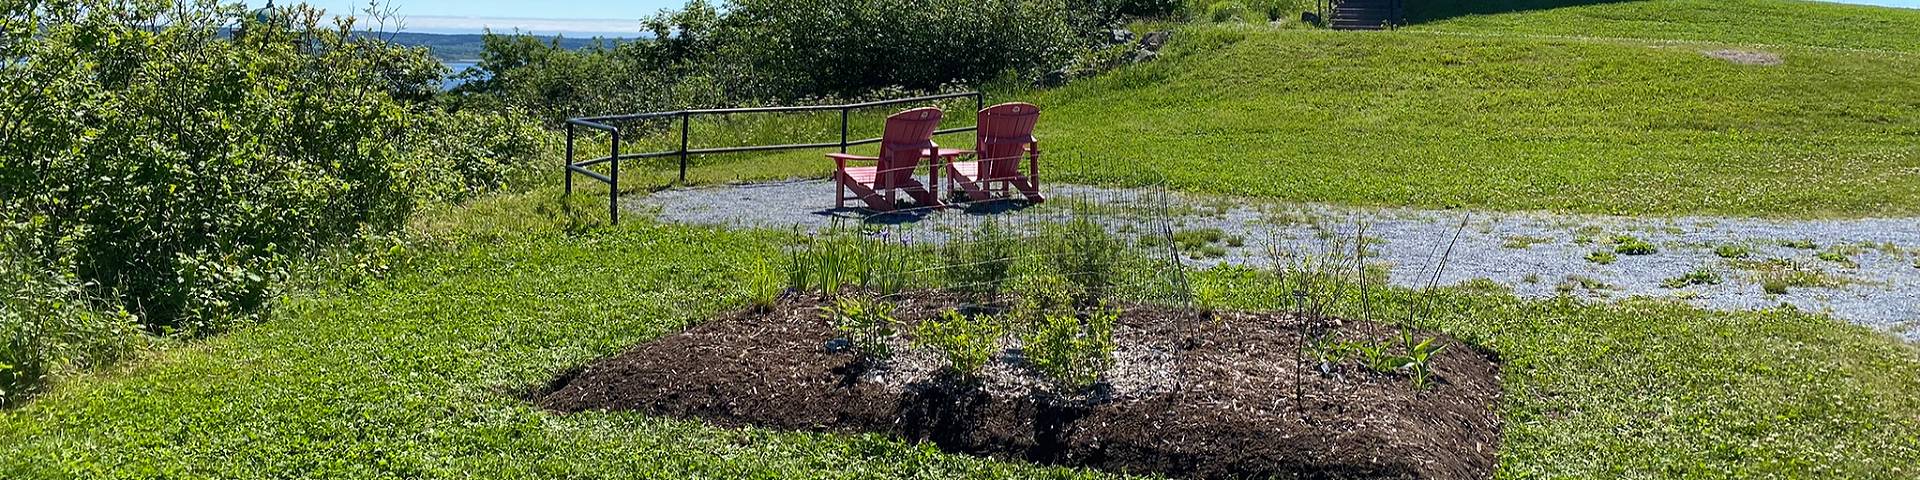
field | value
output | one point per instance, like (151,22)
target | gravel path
(1866,271)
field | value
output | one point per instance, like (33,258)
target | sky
(577,18)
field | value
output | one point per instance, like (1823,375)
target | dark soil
(1222,396)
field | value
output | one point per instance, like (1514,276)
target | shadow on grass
(1419,12)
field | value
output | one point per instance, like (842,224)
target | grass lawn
(415,376)
(1421,119)
(1764,22)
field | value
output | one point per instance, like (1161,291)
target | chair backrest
(1005,132)
(908,136)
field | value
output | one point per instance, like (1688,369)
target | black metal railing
(613,158)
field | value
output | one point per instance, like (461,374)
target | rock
(1120,36)
(1144,56)
(1054,78)
(839,345)
(1154,41)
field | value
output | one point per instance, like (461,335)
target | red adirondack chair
(907,140)
(1004,137)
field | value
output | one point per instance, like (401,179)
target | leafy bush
(866,322)
(181,189)
(1038,295)
(779,51)
(968,344)
(1083,251)
(1072,352)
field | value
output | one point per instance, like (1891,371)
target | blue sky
(576,18)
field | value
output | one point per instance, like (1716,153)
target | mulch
(1196,395)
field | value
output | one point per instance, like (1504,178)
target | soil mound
(1222,396)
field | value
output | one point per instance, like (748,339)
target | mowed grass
(1761,22)
(1432,120)
(417,376)
(1509,124)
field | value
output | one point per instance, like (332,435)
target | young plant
(1603,257)
(867,323)
(763,285)
(967,344)
(1700,276)
(1732,251)
(1088,256)
(1377,357)
(980,263)
(1840,254)
(1072,352)
(1419,359)
(1631,245)
(1328,351)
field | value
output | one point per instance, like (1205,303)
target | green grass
(1763,22)
(1426,120)
(1777,276)
(415,376)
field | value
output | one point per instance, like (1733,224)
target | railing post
(843,129)
(569,169)
(613,187)
(685,129)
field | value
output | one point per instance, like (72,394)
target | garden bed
(1187,395)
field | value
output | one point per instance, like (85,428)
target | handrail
(612,178)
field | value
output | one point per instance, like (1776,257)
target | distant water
(456,66)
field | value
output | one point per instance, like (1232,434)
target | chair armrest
(841,159)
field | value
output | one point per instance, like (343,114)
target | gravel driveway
(1865,271)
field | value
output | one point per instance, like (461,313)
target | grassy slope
(1505,122)
(1762,22)
(412,377)
(1444,121)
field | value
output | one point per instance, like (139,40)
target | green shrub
(182,189)
(1038,295)
(867,323)
(967,344)
(784,51)
(1071,352)
(1083,251)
